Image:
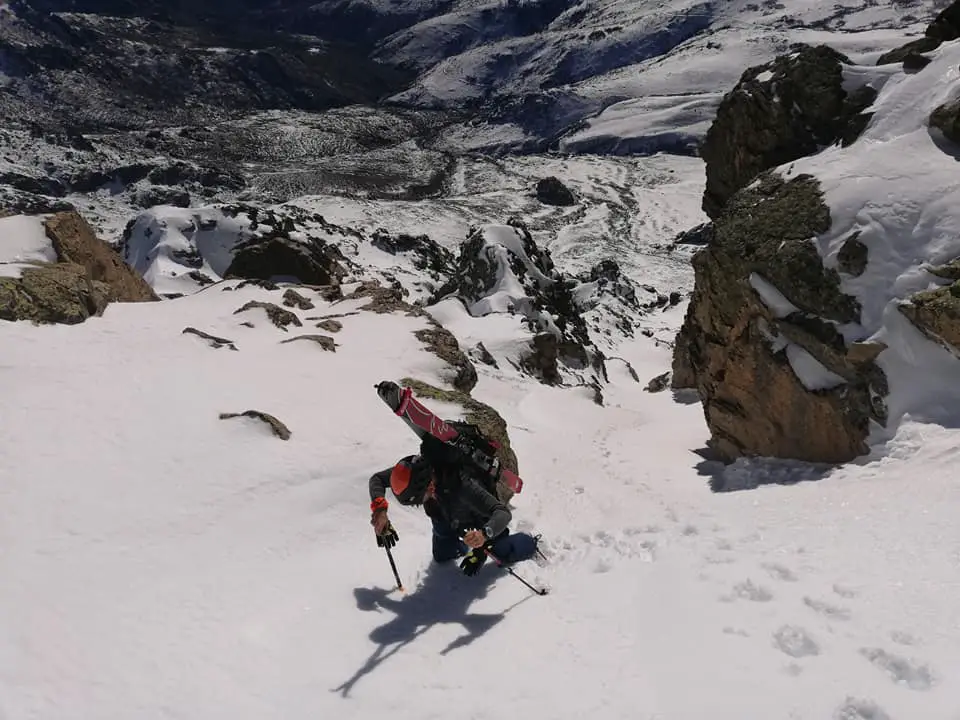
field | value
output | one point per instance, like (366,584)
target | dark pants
(509,547)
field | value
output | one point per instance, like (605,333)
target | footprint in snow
(856,709)
(735,631)
(900,670)
(845,592)
(831,611)
(795,641)
(903,638)
(779,572)
(748,591)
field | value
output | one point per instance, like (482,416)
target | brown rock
(214,341)
(324,341)
(53,293)
(853,256)
(937,314)
(277,427)
(74,241)
(444,345)
(277,315)
(330,326)
(291,298)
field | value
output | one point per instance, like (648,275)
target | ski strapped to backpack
(464,438)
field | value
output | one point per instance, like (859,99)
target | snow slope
(160,562)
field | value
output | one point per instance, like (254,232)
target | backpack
(472,453)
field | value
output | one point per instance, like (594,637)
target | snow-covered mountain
(204,272)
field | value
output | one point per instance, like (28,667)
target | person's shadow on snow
(443,597)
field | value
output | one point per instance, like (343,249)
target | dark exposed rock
(202,278)
(273,257)
(215,342)
(18,202)
(946,119)
(738,352)
(427,254)
(700,235)
(762,124)
(483,355)
(852,258)
(552,191)
(330,326)
(383,299)
(33,185)
(659,383)
(291,298)
(915,47)
(914,62)
(946,26)
(277,315)
(444,345)
(324,341)
(276,427)
(154,195)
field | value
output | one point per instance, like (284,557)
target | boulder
(291,298)
(324,341)
(946,119)
(778,112)
(759,341)
(215,342)
(552,191)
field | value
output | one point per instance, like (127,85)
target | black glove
(388,538)
(389,392)
(473,561)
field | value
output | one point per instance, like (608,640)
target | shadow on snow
(444,596)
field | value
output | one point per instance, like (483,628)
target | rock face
(87,277)
(779,112)
(500,269)
(760,343)
(311,262)
(74,241)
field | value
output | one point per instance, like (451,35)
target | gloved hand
(473,561)
(388,537)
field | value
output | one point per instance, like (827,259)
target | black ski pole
(393,566)
(541,591)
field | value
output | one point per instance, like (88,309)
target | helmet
(409,480)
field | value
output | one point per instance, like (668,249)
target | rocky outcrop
(552,191)
(276,427)
(277,256)
(937,315)
(944,28)
(383,299)
(87,276)
(54,293)
(760,340)
(426,254)
(444,345)
(74,241)
(491,424)
(501,269)
(778,112)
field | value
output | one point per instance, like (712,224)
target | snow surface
(158,561)
(23,240)
(775,300)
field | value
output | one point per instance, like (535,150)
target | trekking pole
(393,566)
(541,591)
